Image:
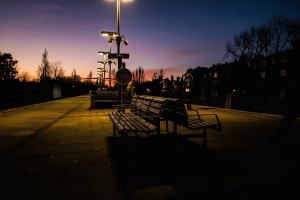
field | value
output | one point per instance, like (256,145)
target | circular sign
(123,76)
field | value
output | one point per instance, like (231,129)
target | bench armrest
(217,121)
(118,107)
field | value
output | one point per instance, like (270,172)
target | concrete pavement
(64,150)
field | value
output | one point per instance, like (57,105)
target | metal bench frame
(176,112)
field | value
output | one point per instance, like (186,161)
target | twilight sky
(173,35)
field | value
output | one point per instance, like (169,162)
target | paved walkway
(64,150)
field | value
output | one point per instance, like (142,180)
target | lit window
(262,74)
(283,72)
(282,94)
(215,75)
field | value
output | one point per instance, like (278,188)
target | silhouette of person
(130,88)
(188,87)
(293,99)
(164,87)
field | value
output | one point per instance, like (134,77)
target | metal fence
(109,96)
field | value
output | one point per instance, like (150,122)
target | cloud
(49,7)
(35,13)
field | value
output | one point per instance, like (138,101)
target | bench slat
(137,123)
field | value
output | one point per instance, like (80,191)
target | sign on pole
(123,76)
(115,56)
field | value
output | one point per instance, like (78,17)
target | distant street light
(109,61)
(102,70)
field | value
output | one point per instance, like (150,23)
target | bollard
(92,105)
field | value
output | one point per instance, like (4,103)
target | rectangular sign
(115,56)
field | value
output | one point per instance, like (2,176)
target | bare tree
(240,46)
(24,76)
(161,74)
(75,78)
(270,38)
(44,69)
(61,73)
(154,76)
(284,31)
(139,76)
(57,70)
(158,76)
(89,77)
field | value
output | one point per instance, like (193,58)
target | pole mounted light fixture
(102,53)
(107,33)
(114,36)
(125,40)
(102,62)
(110,35)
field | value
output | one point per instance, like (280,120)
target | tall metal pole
(118,28)
(118,49)
(109,72)
(118,16)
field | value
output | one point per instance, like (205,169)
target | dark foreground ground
(64,150)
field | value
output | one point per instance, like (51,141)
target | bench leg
(167,126)
(204,138)
(175,127)
(114,131)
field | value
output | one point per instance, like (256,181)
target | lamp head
(107,33)
(109,39)
(126,42)
(101,53)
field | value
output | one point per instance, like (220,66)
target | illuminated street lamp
(110,35)
(119,38)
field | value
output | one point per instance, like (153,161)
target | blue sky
(163,34)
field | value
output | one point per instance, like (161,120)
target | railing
(109,96)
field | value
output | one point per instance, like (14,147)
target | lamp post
(119,38)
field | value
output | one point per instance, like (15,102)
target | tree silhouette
(58,72)
(271,38)
(44,70)
(7,67)
(138,76)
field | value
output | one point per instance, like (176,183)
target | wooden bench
(175,111)
(145,116)
(146,113)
